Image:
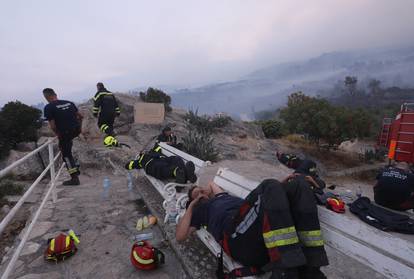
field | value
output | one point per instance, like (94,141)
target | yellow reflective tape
(279,232)
(310,233)
(104,127)
(140,160)
(157,149)
(141,261)
(283,242)
(101,94)
(67,241)
(52,245)
(175,172)
(314,243)
(70,171)
(130,165)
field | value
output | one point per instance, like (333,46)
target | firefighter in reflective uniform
(163,167)
(275,228)
(106,108)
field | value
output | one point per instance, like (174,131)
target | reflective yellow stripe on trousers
(280,237)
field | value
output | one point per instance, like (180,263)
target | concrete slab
(40,229)
(30,248)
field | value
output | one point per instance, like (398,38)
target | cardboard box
(149,113)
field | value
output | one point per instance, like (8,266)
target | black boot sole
(190,169)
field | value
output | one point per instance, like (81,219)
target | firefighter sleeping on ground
(275,228)
(106,108)
(163,167)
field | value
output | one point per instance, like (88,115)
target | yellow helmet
(110,141)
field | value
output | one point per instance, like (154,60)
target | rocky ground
(107,227)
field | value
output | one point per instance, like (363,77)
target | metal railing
(9,217)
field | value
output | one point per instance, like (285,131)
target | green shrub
(321,121)
(272,128)
(156,96)
(205,123)
(370,155)
(18,123)
(8,187)
(199,140)
(200,145)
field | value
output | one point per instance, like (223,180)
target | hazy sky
(70,45)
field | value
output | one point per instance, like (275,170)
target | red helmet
(336,205)
(146,257)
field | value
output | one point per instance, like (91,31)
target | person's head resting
(193,193)
(100,86)
(49,95)
(307,167)
(167,131)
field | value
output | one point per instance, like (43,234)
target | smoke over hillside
(269,87)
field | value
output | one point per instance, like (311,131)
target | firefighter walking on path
(66,122)
(105,107)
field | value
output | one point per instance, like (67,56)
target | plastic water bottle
(172,211)
(106,186)
(144,236)
(130,184)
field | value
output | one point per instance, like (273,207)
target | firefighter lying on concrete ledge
(162,167)
(275,228)
(395,187)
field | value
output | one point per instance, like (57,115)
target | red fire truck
(398,135)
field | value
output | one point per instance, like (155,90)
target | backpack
(146,257)
(59,248)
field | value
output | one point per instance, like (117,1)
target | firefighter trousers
(278,227)
(65,146)
(165,167)
(106,123)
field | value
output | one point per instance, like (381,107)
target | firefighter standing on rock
(105,107)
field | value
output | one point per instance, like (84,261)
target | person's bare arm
(312,181)
(214,189)
(52,126)
(183,229)
(79,116)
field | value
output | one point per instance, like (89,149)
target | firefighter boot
(180,176)
(189,169)
(289,273)
(311,272)
(74,181)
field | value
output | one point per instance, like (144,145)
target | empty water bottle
(143,236)
(106,186)
(171,210)
(130,184)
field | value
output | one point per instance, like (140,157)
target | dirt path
(106,227)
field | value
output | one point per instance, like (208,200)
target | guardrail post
(52,172)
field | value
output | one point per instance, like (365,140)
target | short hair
(166,129)
(190,198)
(100,85)
(49,92)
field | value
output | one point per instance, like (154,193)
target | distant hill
(269,87)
